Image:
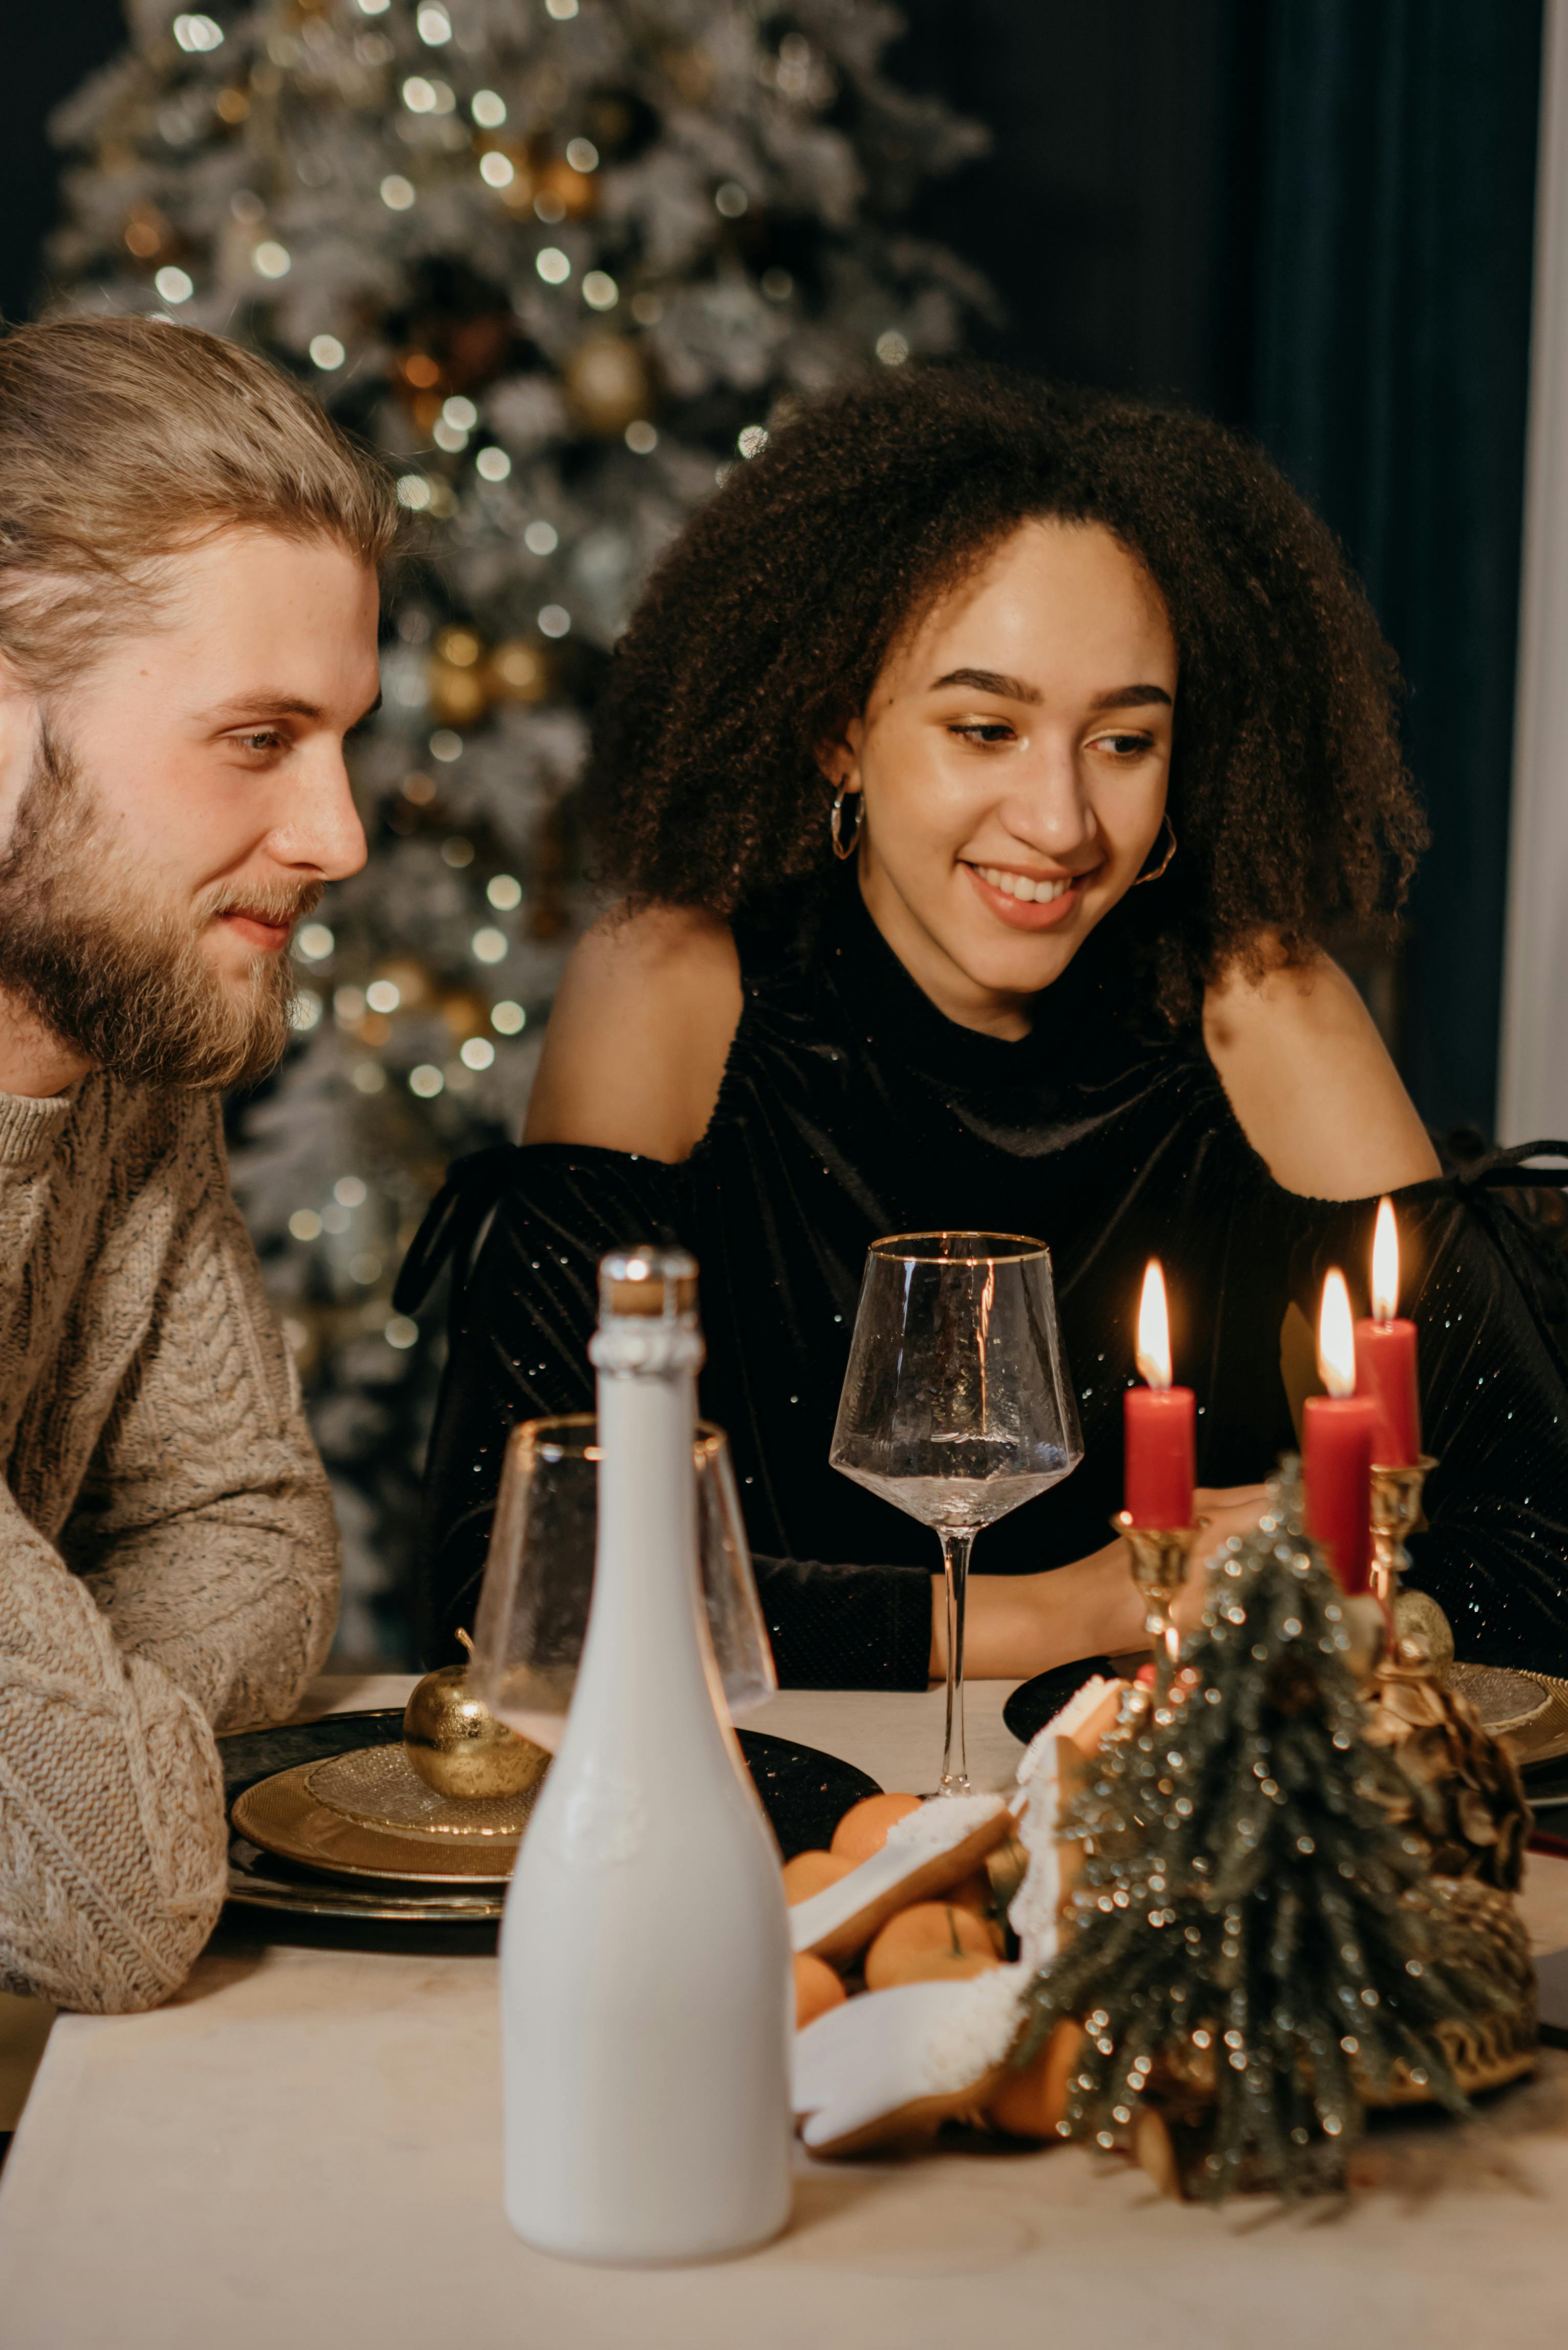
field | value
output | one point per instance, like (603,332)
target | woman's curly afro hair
(764,628)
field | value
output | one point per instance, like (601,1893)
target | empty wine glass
(957,1403)
(539,1577)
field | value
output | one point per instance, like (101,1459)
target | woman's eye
(1125,747)
(984,730)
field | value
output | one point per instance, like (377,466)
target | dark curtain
(1391,276)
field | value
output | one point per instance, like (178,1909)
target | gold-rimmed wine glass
(956,1404)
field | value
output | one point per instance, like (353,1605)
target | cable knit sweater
(168,1558)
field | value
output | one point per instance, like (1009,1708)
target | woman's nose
(1049,808)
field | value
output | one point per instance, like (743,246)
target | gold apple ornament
(458,1746)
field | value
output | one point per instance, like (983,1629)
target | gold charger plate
(1529,1709)
(284,1814)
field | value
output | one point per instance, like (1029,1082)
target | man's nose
(321,828)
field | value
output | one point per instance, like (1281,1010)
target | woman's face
(1012,758)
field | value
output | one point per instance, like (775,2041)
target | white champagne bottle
(645,1984)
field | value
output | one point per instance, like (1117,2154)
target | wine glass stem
(956,1549)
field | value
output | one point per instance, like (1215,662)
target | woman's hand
(1219,1512)
(1020,1625)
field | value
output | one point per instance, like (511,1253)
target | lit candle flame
(1154,1329)
(1386,1263)
(1336,1337)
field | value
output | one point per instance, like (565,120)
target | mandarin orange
(864,1828)
(813,1872)
(816,1989)
(931,1938)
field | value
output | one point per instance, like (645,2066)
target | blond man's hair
(123,441)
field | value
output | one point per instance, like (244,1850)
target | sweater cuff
(846,1626)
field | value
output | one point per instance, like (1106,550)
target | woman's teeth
(1019,885)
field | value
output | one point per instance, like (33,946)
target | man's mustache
(263,901)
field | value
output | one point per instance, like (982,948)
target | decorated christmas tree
(563,261)
(1260,1944)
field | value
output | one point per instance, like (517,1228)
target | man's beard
(104,958)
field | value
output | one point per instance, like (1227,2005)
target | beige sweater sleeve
(204,1527)
(204,1596)
(112,1836)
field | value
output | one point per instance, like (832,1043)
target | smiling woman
(982,773)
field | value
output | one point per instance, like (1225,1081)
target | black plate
(1035,1703)
(1546,1786)
(805,1792)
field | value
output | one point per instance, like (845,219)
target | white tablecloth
(304,2151)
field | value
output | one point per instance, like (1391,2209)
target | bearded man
(188,615)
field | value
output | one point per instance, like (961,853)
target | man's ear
(19,730)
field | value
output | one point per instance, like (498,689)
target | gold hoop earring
(842,848)
(1154,872)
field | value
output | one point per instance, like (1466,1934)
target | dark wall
(1390,377)
(1112,215)
(1313,218)
(48,50)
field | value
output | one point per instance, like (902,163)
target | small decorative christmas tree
(562,260)
(1256,1946)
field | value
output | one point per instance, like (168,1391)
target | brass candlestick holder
(1396,1508)
(1160,1556)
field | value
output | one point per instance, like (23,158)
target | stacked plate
(330,1820)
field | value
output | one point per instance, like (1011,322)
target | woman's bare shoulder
(1312,1083)
(640,1031)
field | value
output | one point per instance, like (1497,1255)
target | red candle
(1385,1355)
(1159,1422)
(1336,1447)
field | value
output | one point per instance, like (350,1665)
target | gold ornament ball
(457,696)
(459,646)
(415,987)
(577,191)
(606,383)
(458,1747)
(466,1014)
(519,671)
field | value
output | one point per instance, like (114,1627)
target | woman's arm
(1020,1625)
(637,1039)
(1312,1084)
(1493,1549)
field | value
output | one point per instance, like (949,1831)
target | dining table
(303,2149)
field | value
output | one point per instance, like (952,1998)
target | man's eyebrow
(260,707)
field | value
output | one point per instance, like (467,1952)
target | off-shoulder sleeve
(1494,1549)
(543,1215)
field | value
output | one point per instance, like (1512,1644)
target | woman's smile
(1028,902)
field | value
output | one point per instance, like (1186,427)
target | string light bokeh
(563,264)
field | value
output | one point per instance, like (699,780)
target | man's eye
(262,740)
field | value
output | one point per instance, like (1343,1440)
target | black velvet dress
(851,1107)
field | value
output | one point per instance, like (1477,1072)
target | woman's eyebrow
(1012,689)
(988,680)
